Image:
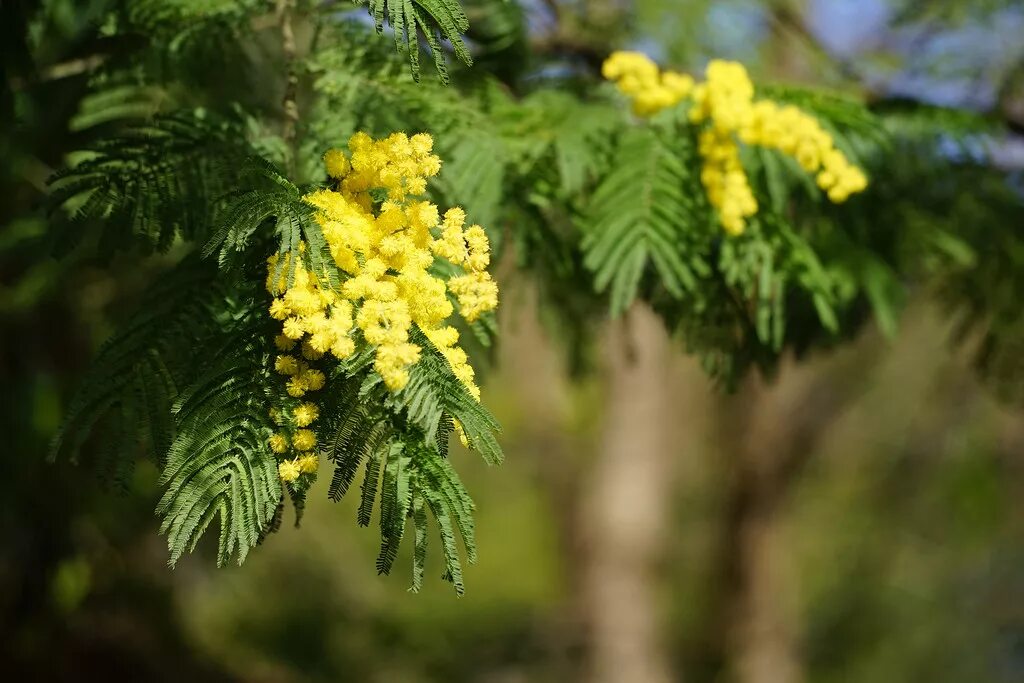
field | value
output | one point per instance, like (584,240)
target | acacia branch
(289,104)
(557,46)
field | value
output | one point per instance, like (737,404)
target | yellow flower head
(477,294)
(305,414)
(313,380)
(725,106)
(639,78)
(296,387)
(304,440)
(286,365)
(278,443)
(384,251)
(279,309)
(293,328)
(283,343)
(336,163)
(289,471)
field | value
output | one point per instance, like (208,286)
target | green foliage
(434,397)
(271,197)
(147,362)
(603,210)
(149,184)
(966,245)
(219,464)
(650,233)
(412,477)
(643,214)
(403,443)
(436,20)
(565,169)
(186,380)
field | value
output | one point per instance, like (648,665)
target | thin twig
(559,46)
(55,72)
(784,19)
(289,104)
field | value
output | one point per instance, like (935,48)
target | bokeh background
(859,518)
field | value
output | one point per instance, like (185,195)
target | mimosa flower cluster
(650,89)
(294,440)
(725,105)
(384,238)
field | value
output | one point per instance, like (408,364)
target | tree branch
(557,46)
(289,103)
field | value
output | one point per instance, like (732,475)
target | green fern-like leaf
(270,196)
(147,362)
(435,19)
(219,465)
(415,478)
(184,380)
(150,184)
(642,214)
(434,393)
(402,445)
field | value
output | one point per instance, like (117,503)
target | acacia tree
(749,222)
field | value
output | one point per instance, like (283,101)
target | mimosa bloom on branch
(725,107)
(384,239)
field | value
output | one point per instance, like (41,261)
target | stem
(289,104)
(55,72)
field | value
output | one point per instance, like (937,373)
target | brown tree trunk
(625,506)
(771,433)
(761,634)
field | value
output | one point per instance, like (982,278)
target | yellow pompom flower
(343,347)
(724,105)
(477,294)
(305,414)
(279,309)
(286,365)
(278,443)
(293,328)
(308,463)
(384,322)
(443,337)
(313,380)
(478,249)
(283,343)
(421,145)
(391,363)
(336,163)
(296,387)
(639,78)
(289,471)
(304,440)
(461,433)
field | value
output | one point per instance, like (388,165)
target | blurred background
(857,519)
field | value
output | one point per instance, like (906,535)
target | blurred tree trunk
(760,636)
(770,435)
(625,506)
